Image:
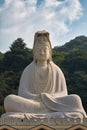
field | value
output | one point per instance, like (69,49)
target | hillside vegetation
(79,43)
(72,60)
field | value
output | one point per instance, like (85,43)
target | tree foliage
(73,63)
(18,56)
(75,69)
(79,43)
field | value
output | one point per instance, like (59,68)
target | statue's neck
(42,63)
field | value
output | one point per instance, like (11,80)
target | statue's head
(42,49)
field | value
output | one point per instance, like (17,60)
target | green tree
(75,60)
(58,57)
(12,64)
(18,46)
(18,56)
(75,69)
(1,61)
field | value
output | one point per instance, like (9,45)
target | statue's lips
(41,56)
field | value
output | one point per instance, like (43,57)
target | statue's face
(42,52)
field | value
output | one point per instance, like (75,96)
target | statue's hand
(37,97)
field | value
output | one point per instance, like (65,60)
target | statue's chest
(41,79)
(42,74)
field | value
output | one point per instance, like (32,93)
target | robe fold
(54,96)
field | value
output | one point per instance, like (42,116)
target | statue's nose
(42,52)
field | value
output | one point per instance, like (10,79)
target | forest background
(70,57)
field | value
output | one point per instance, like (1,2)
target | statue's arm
(61,87)
(24,86)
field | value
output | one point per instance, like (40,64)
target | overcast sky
(64,19)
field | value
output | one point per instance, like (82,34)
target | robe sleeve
(59,81)
(26,84)
(62,91)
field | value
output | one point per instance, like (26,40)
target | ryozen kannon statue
(42,89)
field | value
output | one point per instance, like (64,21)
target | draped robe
(52,98)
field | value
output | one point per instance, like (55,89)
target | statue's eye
(42,35)
(39,35)
(45,35)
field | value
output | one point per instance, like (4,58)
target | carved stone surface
(57,124)
(42,90)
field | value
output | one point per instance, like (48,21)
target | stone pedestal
(47,124)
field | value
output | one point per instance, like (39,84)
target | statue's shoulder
(55,67)
(29,67)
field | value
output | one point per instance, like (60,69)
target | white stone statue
(42,89)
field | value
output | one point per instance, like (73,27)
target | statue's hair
(42,37)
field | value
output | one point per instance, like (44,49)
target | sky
(63,19)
